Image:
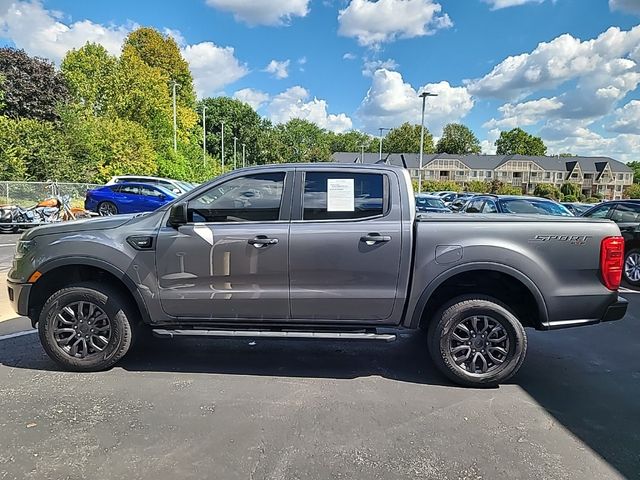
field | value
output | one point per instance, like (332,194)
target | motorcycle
(51,210)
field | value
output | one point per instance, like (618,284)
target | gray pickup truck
(316,251)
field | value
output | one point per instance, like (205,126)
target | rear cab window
(343,195)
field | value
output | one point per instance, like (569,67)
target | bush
(478,186)
(592,200)
(435,186)
(547,190)
(570,198)
(505,189)
(571,189)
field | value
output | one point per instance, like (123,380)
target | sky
(566,70)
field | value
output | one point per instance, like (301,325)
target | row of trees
(100,115)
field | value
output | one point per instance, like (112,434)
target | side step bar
(386,337)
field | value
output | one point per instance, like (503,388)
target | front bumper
(19,297)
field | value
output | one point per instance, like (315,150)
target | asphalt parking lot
(317,410)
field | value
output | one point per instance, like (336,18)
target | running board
(385,337)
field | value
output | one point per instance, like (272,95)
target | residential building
(595,175)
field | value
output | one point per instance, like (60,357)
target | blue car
(127,198)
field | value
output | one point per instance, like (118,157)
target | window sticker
(340,195)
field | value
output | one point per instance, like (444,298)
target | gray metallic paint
(333,278)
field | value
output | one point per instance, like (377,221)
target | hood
(98,223)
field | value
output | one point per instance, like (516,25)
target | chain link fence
(27,194)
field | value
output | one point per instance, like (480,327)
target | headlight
(25,246)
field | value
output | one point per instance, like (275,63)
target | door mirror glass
(178,215)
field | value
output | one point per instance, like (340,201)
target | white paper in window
(340,195)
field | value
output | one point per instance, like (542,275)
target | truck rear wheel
(86,327)
(476,341)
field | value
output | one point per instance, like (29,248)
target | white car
(176,186)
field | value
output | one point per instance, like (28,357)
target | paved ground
(317,410)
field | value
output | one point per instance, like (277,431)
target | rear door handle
(373,238)
(261,240)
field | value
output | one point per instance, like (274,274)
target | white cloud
(373,23)
(294,103)
(263,12)
(627,118)
(349,56)
(176,35)
(43,32)
(371,66)
(213,67)
(563,59)
(526,113)
(390,102)
(629,6)
(498,4)
(255,98)
(278,69)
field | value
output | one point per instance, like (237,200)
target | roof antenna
(404,163)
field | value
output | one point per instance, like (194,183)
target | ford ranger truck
(323,251)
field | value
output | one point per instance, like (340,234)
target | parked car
(626,213)
(288,251)
(430,203)
(515,205)
(577,208)
(446,196)
(176,186)
(127,198)
(461,200)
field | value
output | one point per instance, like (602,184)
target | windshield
(536,207)
(430,202)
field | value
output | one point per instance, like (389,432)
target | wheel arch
(464,279)
(58,272)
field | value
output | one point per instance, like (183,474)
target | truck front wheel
(86,327)
(476,341)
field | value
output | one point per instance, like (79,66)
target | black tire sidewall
(459,309)
(106,202)
(624,273)
(113,306)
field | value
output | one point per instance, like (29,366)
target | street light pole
(235,140)
(382,129)
(204,135)
(222,146)
(175,119)
(243,155)
(362,153)
(424,96)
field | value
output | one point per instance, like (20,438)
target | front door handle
(373,238)
(262,240)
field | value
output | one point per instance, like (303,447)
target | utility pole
(222,146)
(362,153)
(204,135)
(235,140)
(424,96)
(175,119)
(382,129)
(243,155)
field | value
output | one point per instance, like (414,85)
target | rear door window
(342,196)
(626,213)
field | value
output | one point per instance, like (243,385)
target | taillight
(611,261)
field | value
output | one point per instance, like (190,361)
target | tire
(106,209)
(631,269)
(9,229)
(487,366)
(59,330)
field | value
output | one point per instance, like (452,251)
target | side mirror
(178,215)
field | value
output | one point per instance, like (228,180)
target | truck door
(345,246)
(230,260)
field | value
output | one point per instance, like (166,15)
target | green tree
(632,191)
(302,141)
(406,139)
(458,139)
(89,72)
(547,190)
(161,51)
(478,186)
(635,166)
(12,161)
(519,142)
(351,141)
(573,189)
(32,86)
